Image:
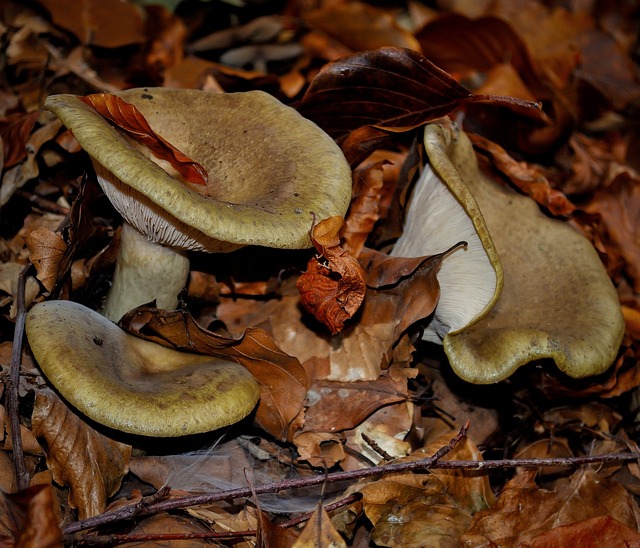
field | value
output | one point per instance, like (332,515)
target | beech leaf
(91,464)
(129,119)
(394,89)
(281,377)
(333,292)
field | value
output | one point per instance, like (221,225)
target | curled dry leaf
(333,292)
(529,178)
(91,464)
(129,119)
(283,383)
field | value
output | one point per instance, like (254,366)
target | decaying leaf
(91,464)
(129,119)
(281,377)
(332,292)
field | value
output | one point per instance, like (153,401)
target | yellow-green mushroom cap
(269,168)
(556,301)
(133,385)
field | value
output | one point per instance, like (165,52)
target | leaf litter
(347,383)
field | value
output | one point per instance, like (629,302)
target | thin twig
(19,466)
(208,498)
(422,465)
(114,540)
(43,203)
(328,508)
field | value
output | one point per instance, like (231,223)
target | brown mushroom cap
(134,385)
(269,168)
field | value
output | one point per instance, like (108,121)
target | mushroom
(269,170)
(557,301)
(131,384)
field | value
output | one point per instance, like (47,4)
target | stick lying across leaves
(154,505)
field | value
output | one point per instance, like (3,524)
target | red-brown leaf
(394,89)
(130,120)
(281,377)
(332,292)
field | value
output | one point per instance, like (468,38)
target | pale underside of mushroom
(270,172)
(557,300)
(133,385)
(470,277)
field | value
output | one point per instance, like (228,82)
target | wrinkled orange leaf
(130,120)
(91,464)
(332,292)
(283,383)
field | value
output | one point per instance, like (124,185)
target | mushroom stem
(145,271)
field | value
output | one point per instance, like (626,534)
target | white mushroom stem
(145,271)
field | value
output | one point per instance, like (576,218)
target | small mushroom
(557,301)
(269,170)
(134,385)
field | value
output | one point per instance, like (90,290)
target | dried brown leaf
(529,178)
(417,513)
(129,119)
(403,90)
(336,406)
(281,377)
(618,206)
(360,26)
(46,249)
(104,23)
(332,292)
(523,510)
(14,133)
(168,524)
(589,533)
(319,531)
(91,464)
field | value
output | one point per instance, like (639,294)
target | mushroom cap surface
(269,168)
(557,300)
(134,385)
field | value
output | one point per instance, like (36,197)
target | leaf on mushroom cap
(131,384)
(557,301)
(443,212)
(269,168)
